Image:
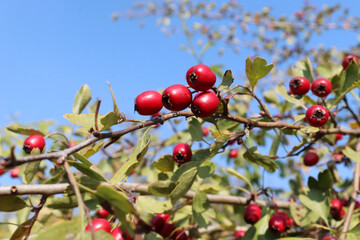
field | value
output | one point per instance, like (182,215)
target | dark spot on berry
(196,110)
(166,100)
(27,149)
(319,115)
(296,83)
(321,89)
(193,77)
(180,157)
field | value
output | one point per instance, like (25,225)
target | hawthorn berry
(159,221)
(119,235)
(321,87)
(72,144)
(2,171)
(317,115)
(99,224)
(205,131)
(337,214)
(176,97)
(233,153)
(167,229)
(277,224)
(102,213)
(180,234)
(252,214)
(205,104)
(299,85)
(311,159)
(200,77)
(14,173)
(148,103)
(182,153)
(34,142)
(344,202)
(338,137)
(335,204)
(330,237)
(289,221)
(348,59)
(239,234)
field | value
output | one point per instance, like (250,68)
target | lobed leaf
(83,97)
(256,69)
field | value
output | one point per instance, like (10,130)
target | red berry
(233,153)
(14,173)
(34,142)
(99,224)
(182,153)
(289,221)
(148,103)
(252,214)
(330,237)
(2,172)
(159,221)
(200,77)
(180,234)
(348,59)
(335,204)
(344,202)
(205,131)
(239,234)
(337,214)
(277,224)
(102,213)
(338,137)
(72,144)
(299,85)
(321,87)
(311,159)
(317,116)
(119,235)
(167,230)
(205,104)
(176,97)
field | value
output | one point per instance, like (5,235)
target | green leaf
(16,128)
(11,203)
(240,176)
(354,233)
(82,98)
(92,149)
(87,121)
(350,153)
(294,213)
(283,92)
(260,231)
(228,79)
(325,180)
(356,84)
(59,230)
(317,202)
(270,96)
(135,159)
(256,70)
(329,71)
(195,129)
(349,76)
(165,163)
(201,209)
(296,238)
(162,188)
(115,198)
(303,69)
(82,159)
(184,181)
(275,144)
(63,202)
(149,205)
(22,230)
(116,109)
(91,171)
(254,156)
(31,168)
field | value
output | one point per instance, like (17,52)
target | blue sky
(48,49)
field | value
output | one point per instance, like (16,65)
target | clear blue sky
(48,49)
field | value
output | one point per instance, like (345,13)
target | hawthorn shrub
(102,183)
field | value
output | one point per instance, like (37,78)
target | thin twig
(351,111)
(37,210)
(97,114)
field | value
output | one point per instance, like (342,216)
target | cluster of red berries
(178,97)
(161,225)
(336,209)
(103,224)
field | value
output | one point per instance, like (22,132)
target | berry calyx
(148,103)
(348,59)
(239,234)
(321,87)
(205,104)
(176,97)
(277,224)
(34,142)
(299,85)
(14,173)
(205,131)
(102,213)
(233,153)
(252,214)
(317,115)
(159,220)
(99,224)
(182,153)
(200,77)
(311,159)
(119,235)
(330,237)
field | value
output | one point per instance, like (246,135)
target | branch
(37,210)
(51,189)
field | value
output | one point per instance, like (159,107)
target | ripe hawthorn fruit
(299,85)
(289,221)
(239,234)
(167,229)
(344,202)
(14,173)
(180,234)
(102,213)
(337,214)
(252,214)
(99,224)
(182,153)
(348,59)
(277,224)
(338,137)
(148,103)
(176,97)
(159,220)
(34,142)
(317,115)
(336,204)
(205,104)
(120,235)
(330,237)
(311,159)
(233,153)
(205,131)
(200,77)
(321,87)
